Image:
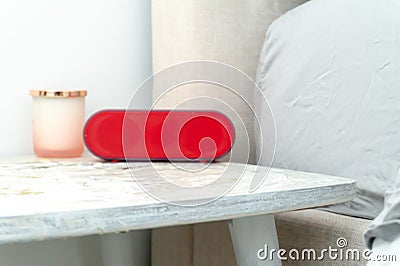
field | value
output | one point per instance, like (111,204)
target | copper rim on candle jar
(58,119)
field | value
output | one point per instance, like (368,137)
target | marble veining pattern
(43,199)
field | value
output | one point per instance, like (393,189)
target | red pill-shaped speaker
(159,135)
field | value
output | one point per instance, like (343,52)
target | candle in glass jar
(58,119)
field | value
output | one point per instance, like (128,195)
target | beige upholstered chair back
(230,32)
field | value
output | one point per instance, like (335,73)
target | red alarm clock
(159,135)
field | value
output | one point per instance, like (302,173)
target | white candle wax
(58,124)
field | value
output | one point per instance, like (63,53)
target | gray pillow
(386,225)
(330,70)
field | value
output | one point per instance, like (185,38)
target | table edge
(48,226)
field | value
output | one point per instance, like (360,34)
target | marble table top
(47,199)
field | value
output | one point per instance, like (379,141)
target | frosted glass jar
(58,119)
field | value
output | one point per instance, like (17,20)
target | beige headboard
(231,32)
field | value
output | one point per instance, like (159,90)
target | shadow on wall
(111,249)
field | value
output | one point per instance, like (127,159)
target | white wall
(101,45)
